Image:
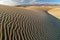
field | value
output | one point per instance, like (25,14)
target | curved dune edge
(55,12)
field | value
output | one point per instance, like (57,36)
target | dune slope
(55,12)
(23,24)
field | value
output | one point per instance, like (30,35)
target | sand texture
(55,12)
(25,24)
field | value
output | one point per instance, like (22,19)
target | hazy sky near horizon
(19,2)
(49,0)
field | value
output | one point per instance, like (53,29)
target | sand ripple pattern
(21,24)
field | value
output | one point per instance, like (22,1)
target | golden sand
(24,24)
(39,7)
(55,12)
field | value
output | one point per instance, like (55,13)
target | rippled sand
(24,24)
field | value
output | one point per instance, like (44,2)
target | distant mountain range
(41,4)
(46,4)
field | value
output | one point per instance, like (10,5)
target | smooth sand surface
(39,7)
(55,12)
(24,24)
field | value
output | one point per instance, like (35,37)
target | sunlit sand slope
(39,8)
(46,8)
(23,24)
(55,12)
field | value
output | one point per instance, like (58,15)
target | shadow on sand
(55,22)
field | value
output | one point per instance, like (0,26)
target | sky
(21,2)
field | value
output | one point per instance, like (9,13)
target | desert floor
(43,22)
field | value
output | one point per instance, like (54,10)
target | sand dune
(24,24)
(39,8)
(55,12)
(46,8)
